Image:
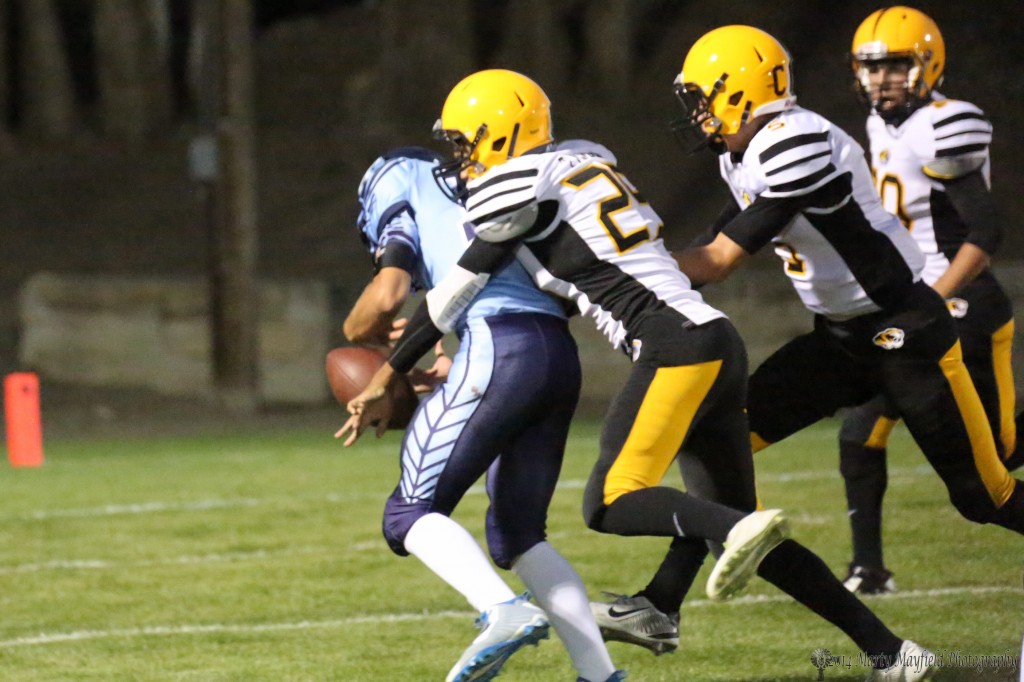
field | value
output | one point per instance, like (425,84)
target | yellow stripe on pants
(665,416)
(879,436)
(1002,348)
(997,481)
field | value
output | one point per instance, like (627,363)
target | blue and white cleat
(749,541)
(507,627)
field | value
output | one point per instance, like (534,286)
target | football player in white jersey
(801,184)
(490,405)
(930,161)
(568,213)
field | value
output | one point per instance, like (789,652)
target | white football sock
(447,549)
(559,590)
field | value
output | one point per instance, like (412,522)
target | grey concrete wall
(153,332)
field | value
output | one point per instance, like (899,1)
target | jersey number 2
(623,198)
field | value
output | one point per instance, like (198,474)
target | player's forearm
(969,262)
(711,263)
(370,318)
(698,265)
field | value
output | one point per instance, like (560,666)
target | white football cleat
(507,627)
(746,546)
(913,663)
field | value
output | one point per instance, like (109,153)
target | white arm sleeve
(449,299)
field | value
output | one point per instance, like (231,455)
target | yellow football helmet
(894,34)
(730,76)
(490,117)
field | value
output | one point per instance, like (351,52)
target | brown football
(350,369)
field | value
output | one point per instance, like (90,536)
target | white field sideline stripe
(185,560)
(165,630)
(206,505)
(141,508)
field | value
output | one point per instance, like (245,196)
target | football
(350,369)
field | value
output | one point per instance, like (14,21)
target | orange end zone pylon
(24,421)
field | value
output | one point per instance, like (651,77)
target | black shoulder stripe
(798,162)
(502,211)
(805,181)
(791,143)
(963,116)
(496,195)
(962,149)
(528,173)
(964,132)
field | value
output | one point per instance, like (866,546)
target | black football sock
(668,512)
(676,574)
(865,475)
(800,573)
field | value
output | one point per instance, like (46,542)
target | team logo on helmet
(889,339)
(957,307)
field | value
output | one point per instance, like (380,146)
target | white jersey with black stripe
(588,235)
(941,141)
(825,248)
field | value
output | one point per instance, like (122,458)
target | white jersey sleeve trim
(449,299)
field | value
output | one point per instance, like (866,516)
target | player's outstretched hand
(371,407)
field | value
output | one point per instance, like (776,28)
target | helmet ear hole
(735,98)
(499,144)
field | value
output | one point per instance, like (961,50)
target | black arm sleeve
(397,255)
(418,337)
(971,198)
(762,220)
(489,257)
(729,211)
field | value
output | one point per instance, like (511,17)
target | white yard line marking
(164,630)
(169,630)
(140,508)
(188,559)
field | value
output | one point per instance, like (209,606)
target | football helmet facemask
(889,37)
(490,117)
(731,75)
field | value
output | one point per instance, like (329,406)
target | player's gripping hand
(426,380)
(371,407)
(397,327)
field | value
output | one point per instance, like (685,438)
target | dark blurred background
(102,101)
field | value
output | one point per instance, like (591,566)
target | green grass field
(259,558)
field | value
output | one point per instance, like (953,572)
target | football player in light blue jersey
(511,392)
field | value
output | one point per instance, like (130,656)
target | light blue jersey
(409,223)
